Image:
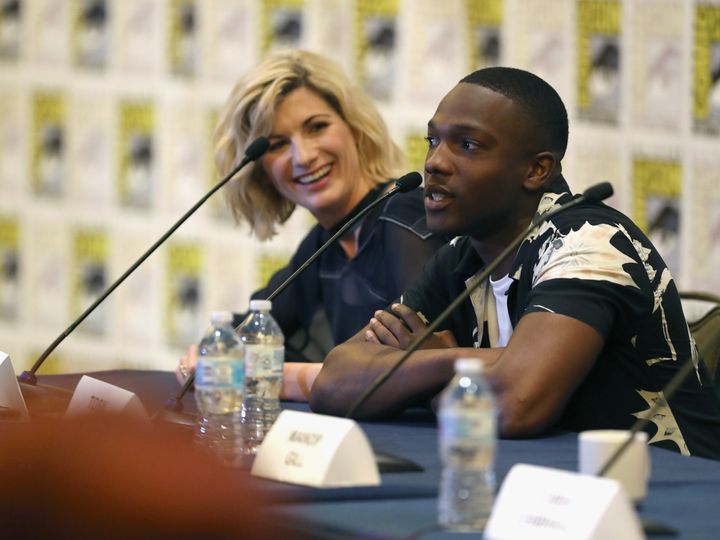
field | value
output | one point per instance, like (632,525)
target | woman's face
(313,159)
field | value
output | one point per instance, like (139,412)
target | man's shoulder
(597,214)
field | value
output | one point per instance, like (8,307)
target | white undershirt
(500,289)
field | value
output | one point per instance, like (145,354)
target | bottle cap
(221,317)
(260,305)
(468,365)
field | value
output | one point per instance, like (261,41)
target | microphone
(405,183)
(256,149)
(595,193)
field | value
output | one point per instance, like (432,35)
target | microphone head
(408,182)
(598,192)
(257,148)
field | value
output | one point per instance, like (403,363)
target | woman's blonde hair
(249,113)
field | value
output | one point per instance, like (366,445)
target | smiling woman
(313,160)
(330,152)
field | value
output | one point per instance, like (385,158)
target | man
(582,329)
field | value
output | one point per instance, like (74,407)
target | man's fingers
(385,335)
(408,315)
(394,324)
(448,338)
(371,337)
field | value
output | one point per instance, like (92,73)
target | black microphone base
(45,401)
(177,417)
(27,377)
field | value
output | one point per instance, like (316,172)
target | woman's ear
(543,169)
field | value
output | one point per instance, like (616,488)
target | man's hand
(401,327)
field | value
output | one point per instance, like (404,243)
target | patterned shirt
(592,263)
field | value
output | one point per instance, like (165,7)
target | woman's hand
(187,363)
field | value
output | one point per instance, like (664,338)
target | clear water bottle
(264,357)
(467,439)
(219,388)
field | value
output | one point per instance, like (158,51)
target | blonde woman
(330,153)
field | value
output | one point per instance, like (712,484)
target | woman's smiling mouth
(314,176)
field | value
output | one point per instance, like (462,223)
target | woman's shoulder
(407,210)
(310,243)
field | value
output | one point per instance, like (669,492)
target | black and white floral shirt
(592,263)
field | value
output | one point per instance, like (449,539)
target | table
(683,491)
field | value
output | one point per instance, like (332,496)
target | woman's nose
(304,151)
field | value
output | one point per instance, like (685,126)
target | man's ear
(542,172)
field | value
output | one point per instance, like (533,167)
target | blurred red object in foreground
(108,477)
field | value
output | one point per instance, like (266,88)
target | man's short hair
(538,98)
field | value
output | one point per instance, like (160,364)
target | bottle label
(220,371)
(458,425)
(264,360)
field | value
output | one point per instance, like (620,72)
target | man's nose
(437,160)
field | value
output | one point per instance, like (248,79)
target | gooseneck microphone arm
(595,193)
(256,149)
(405,183)
(640,423)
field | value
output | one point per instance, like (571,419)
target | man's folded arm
(352,366)
(546,359)
(533,378)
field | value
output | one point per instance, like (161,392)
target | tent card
(316,450)
(543,503)
(93,396)
(12,404)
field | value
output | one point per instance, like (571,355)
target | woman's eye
(318,126)
(276,145)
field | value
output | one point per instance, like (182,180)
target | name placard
(543,503)
(316,450)
(12,403)
(93,396)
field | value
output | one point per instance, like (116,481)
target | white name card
(542,503)
(316,450)
(10,396)
(93,396)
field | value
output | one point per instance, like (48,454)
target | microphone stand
(28,378)
(640,423)
(597,192)
(405,183)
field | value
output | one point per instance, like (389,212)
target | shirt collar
(366,201)
(470,261)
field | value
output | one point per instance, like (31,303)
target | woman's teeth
(314,177)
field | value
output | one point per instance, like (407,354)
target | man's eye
(469,144)
(432,141)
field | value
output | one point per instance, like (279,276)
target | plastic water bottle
(264,357)
(467,439)
(219,388)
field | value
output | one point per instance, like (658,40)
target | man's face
(477,161)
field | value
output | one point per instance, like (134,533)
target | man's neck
(491,247)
